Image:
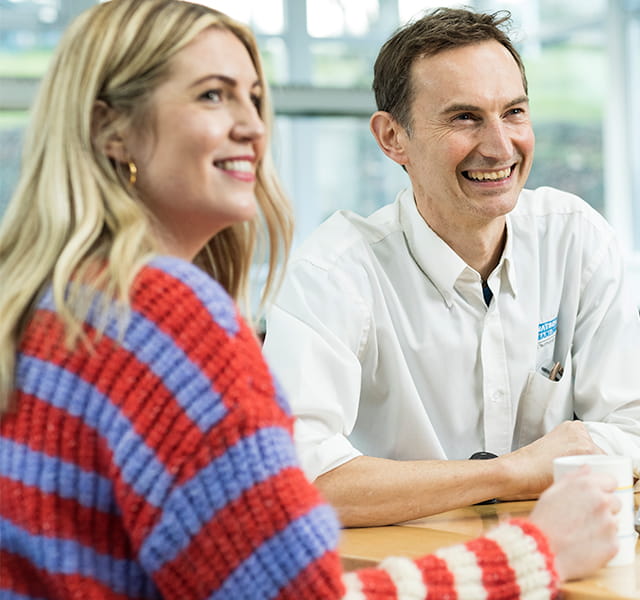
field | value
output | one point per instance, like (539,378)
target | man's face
(471,144)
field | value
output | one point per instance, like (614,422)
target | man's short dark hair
(438,30)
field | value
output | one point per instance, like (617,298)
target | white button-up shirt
(385,346)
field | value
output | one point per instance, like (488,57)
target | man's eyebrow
(230,81)
(459,107)
(524,99)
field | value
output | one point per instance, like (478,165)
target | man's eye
(213,95)
(464,117)
(517,111)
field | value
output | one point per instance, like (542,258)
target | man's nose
(496,141)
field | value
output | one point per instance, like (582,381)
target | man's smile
(478,175)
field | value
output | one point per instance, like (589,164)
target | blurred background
(583,67)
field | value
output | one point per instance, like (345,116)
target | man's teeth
(244,166)
(489,175)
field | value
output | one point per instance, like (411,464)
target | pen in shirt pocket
(555,372)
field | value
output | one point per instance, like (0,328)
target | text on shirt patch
(547,331)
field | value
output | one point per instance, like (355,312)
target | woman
(145,451)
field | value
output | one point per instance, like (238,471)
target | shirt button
(496,396)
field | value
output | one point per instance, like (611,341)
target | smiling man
(470,317)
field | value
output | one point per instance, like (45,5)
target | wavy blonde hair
(73,214)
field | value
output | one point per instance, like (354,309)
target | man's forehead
(457,74)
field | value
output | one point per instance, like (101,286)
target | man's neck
(479,245)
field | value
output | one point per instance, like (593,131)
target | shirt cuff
(318,457)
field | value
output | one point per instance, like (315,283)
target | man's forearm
(369,491)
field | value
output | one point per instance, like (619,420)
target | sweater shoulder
(175,291)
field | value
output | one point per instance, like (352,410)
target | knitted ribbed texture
(159,464)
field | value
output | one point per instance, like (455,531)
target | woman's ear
(390,136)
(103,136)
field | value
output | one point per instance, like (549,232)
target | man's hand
(577,514)
(532,465)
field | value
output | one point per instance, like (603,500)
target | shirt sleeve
(315,334)
(606,358)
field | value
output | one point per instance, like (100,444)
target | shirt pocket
(543,405)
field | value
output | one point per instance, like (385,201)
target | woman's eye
(213,95)
(257,102)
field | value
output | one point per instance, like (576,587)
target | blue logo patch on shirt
(547,330)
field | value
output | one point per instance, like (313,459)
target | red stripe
(54,432)
(437,577)
(52,516)
(238,529)
(377,583)
(498,578)
(321,579)
(22,577)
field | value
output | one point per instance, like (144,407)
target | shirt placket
(495,384)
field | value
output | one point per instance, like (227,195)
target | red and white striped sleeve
(512,562)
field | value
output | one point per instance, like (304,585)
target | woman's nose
(248,123)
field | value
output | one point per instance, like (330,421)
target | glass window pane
(633,101)
(264,16)
(336,18)
(275,59)
(333,163)
(410,9)
(567,97)
(12,126)
(340,64)
(29,30)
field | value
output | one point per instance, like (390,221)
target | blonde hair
(73,214)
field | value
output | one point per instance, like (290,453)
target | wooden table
(362,547)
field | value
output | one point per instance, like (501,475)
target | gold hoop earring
(133,173)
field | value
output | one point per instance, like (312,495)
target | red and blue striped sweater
(158,463)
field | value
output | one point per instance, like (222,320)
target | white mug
(620,467)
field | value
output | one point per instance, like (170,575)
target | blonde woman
(145,451)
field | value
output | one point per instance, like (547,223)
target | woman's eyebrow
(230,81)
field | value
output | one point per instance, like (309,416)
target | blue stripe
(154,348)
(11,595)
(62,389)
(55,476)
(210,293)
(68,557)
(248,462)
(284,556)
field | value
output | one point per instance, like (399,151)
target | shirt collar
(435,258)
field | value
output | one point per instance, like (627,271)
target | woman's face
(196,168)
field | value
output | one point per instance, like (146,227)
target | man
(468,316)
